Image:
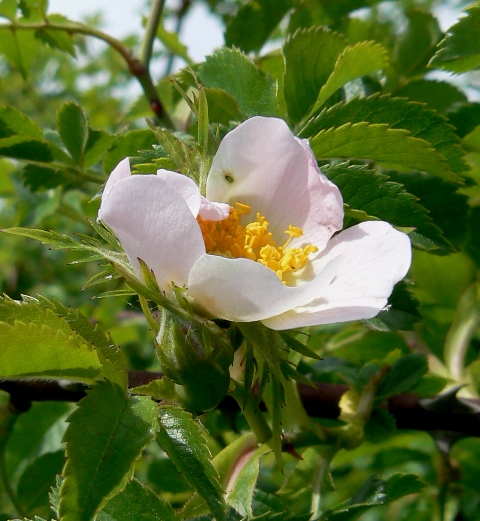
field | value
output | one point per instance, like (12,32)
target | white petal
(185,186)
(373,257)
(154,223)
(121,171)
(262,164)
(213,211)
(242,290)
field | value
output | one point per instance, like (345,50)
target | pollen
(253,241)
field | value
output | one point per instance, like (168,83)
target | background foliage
(371,85)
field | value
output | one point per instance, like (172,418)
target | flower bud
(197,358)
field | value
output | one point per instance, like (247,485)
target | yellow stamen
(253,241)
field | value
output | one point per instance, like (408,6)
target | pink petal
(154,223)
(121,171)
(185,186)
(213,211)
(243,290)
(262,164)
(373,257)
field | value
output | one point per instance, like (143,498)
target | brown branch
(321,401)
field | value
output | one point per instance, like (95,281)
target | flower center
(253,241)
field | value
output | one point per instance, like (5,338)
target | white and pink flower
(277,264)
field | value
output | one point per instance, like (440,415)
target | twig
(320,401)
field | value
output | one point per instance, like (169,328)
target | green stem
(148,314)
(252,413)
(8,418)
(135,65)
(153,20)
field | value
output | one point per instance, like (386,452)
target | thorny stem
(136,67)
(8,418)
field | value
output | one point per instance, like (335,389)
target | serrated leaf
(416,43)
(231,71)
(222,107)
(376,492)
(111,358)
(26,148)
(378,197)
(116,429)
(298,346)
(72,125)
(435,195)
(97,145)
(57,38)
(54,239)
(19,48)
(16,123)
(401,313)
(43,178)
(459,51)
(33,350)
(253,23)
(380,143)
(181,439)
(137,502)
(353,62)
(438,95)
(310,58)
(403,375)
(128,144)
(422,123)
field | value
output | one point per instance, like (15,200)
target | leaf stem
(135,65)
(8,418)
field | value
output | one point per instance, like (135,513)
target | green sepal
(197,360)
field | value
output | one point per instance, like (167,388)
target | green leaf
(37,479)
(420,121)
(354,62)
(16,123)
(376,492)
(8,9)
(380,198)
(401,314)
(56,38)
(435,195)
(378,142)
(380,427)
(54,239)
(231,71)
(19,48)
(116,429)
(26,148)
(39,344)
(114,366)
(72,126)
(97,145)
(416,43)
(42,178)
(222,107)
(128,144)
(137,502)
(253,23)
(438,95)
(181,439)
(33,10)
(172,43)
(459,51)
(403,375)
(310,58)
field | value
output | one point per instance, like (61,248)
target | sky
(201,33)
